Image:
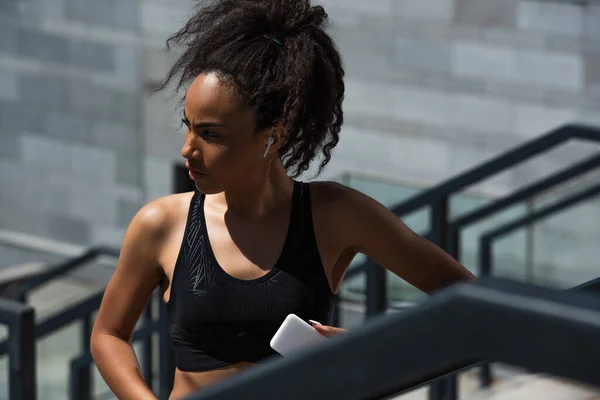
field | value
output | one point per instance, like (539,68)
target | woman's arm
(126,296)
(364,225)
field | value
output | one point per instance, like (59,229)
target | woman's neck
(257,197)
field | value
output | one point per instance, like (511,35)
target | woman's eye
(209,134)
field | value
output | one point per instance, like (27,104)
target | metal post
(486,264)
(77,377)
(376,289)
(454,242)
(436,390)
(445,388)
(335,312)
(84,376)
(21,350)
(166,369)
(21,297)
(439,222)
(485,375)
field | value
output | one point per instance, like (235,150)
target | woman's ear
(273,139)
(270,141)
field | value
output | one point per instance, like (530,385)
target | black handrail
(62,269)
(20,346)
(67,316)
(592,286)
(488,238)
(81,389)
(436,198)
(441,233)
(509,322)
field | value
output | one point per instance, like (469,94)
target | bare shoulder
(354,218)
(155,219)
(340,212)
(138,271)
(342,219)
(149,234)
(340,201)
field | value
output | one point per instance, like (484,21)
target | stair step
(21,271)
(60,293)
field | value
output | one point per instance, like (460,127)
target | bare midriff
(187,383)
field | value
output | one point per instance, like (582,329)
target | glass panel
(461,204)
(510,256)
(401,292)
(353,289)
(510,252)
(54,354)
(4,378)
(565,246)
(386,192)
(4,367)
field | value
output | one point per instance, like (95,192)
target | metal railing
(509,322)
(443,232)
(83,311)
(80,387)
(489,238)
(20,347)
(446,233)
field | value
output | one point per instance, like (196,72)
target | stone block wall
(70,118)
(433,88)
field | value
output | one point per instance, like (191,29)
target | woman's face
(221,148)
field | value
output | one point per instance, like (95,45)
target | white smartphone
(294,334)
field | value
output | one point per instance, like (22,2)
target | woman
(264,99)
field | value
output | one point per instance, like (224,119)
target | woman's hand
(326,330)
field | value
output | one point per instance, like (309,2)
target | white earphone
(270,141)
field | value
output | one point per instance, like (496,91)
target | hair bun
(315,15)
(293,16)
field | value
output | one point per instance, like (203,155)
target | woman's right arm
(129,290)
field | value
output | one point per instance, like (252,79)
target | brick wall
(436,87)
(433,87)
(70,117)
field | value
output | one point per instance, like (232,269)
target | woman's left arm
(368,227)
(362,225)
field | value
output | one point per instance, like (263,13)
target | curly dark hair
(284,65)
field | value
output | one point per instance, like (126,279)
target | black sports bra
(218,320)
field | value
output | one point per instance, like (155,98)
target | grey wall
(70,115)
(437,86)
(433,87)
